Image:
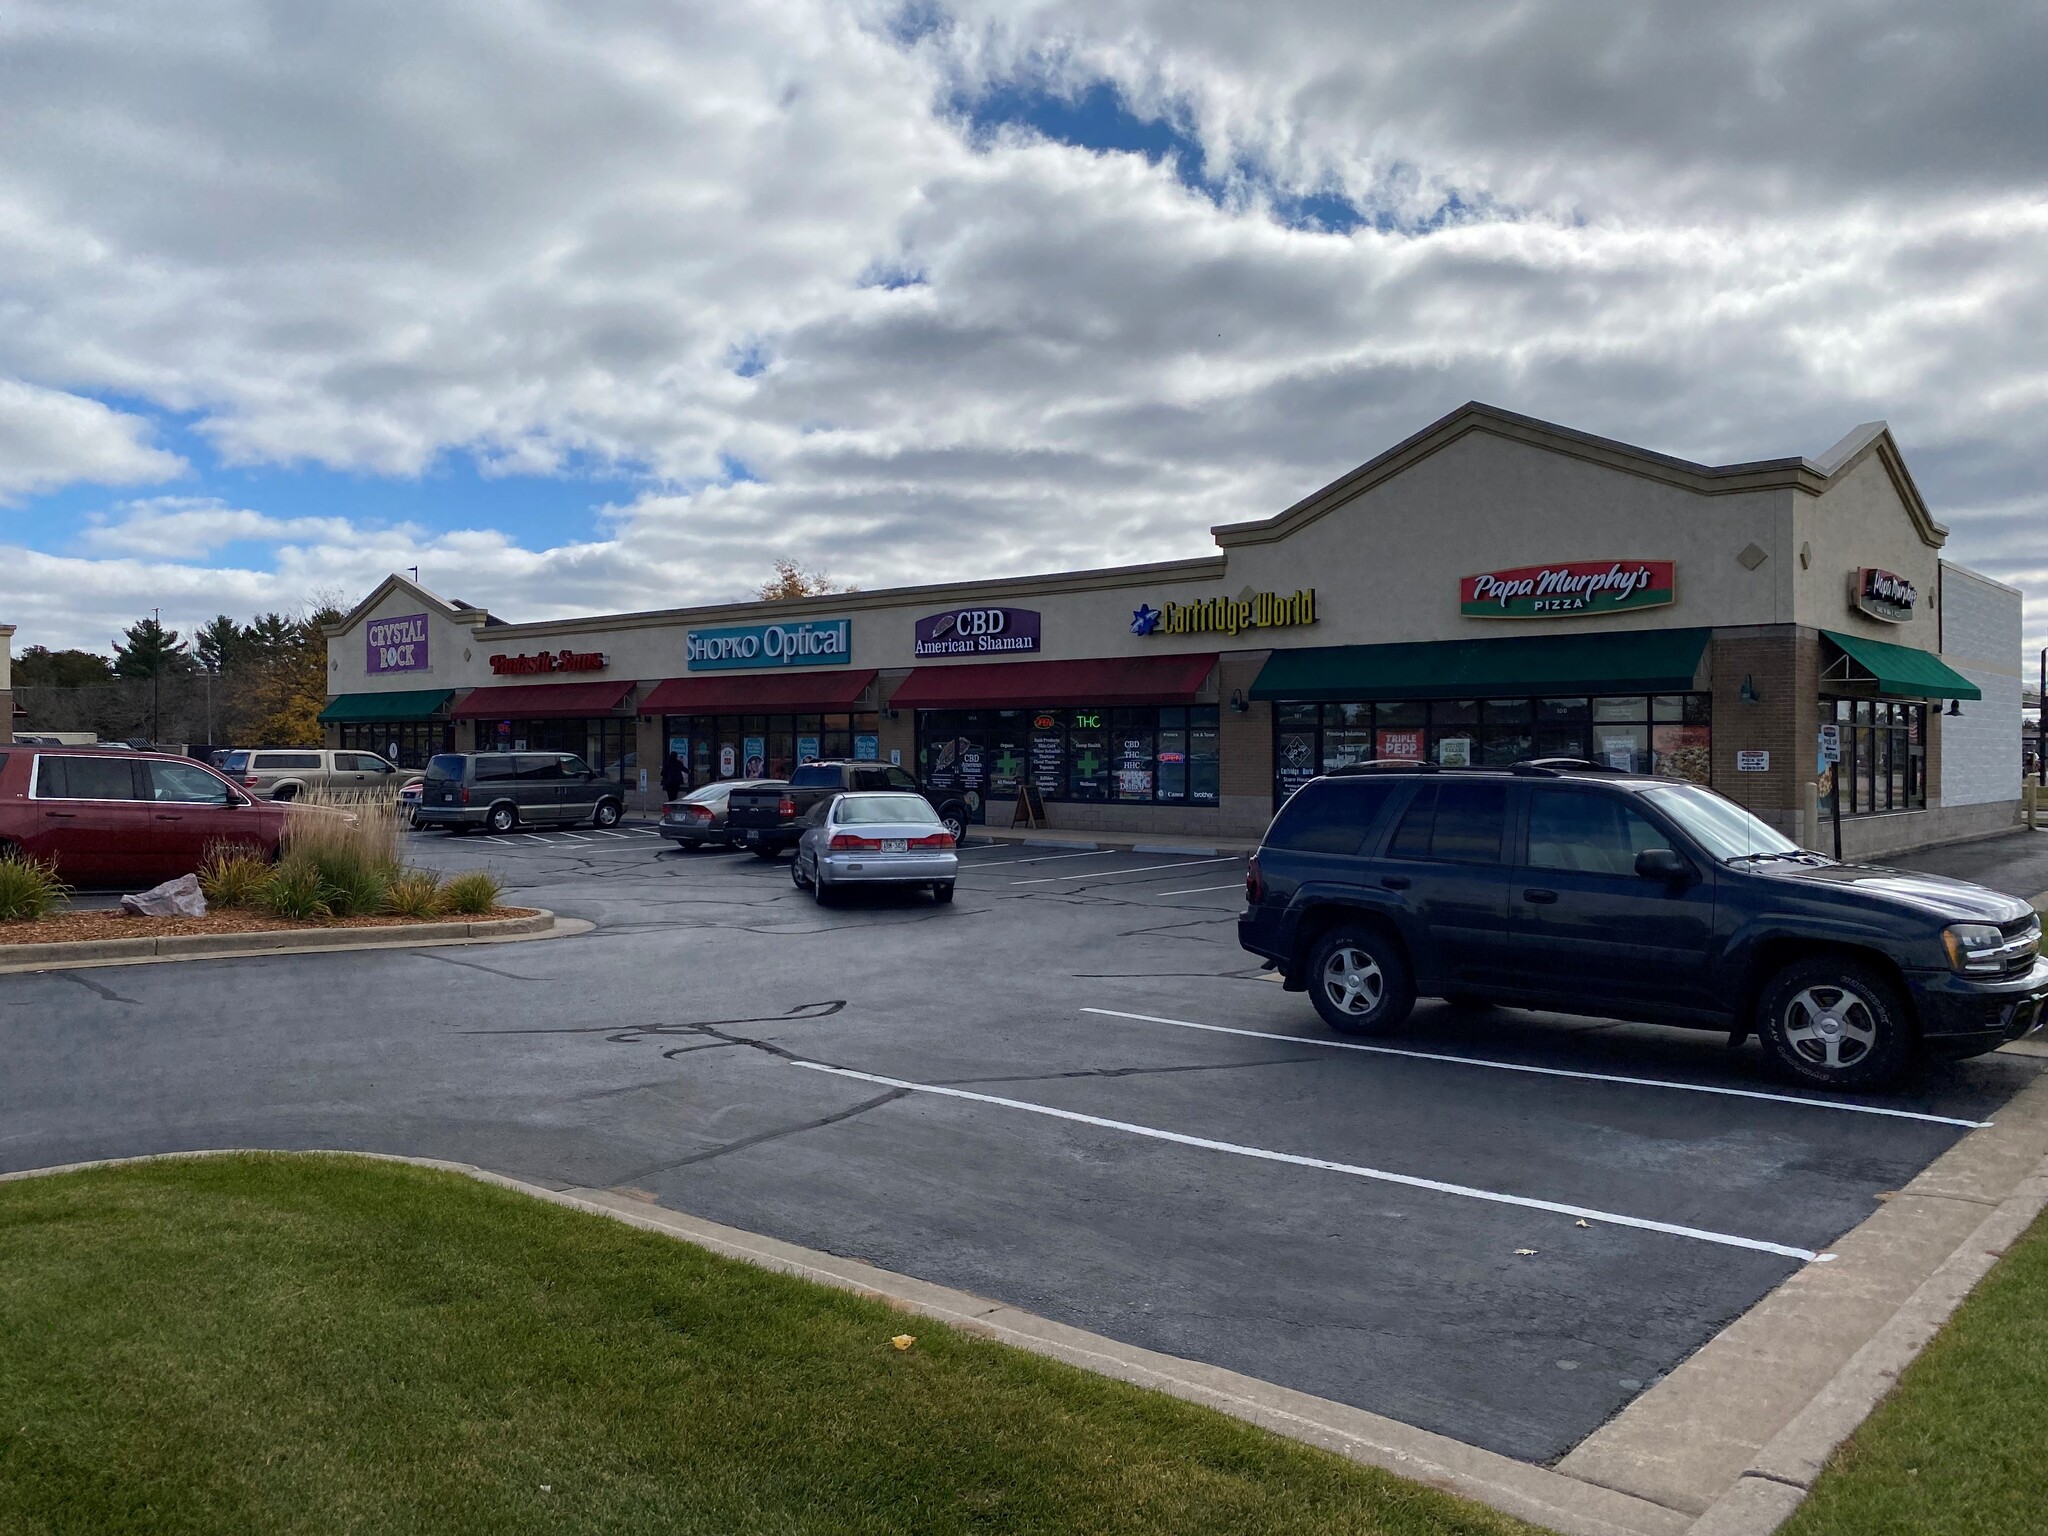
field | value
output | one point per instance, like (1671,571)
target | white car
(874,837)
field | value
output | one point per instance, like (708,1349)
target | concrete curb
(1736,1434)
(218,946)
(1784,1472)
(1532,1493)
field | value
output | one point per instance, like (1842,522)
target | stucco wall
(1981,638)
(1861,520)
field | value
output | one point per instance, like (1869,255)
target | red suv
(114,818)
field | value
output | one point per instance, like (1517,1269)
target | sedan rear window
(868,810)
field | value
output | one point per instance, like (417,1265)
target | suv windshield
(445,769)
(1717,823)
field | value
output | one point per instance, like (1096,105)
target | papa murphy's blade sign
(1566,590)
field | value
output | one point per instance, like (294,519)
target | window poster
(1402,744)
(1134,767)
(728,762)
(1048,759)
(756,752)
(867,748)
(1455,752)
(807,749)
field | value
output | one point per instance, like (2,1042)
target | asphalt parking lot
(1069,1090)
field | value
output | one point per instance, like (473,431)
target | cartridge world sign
(1227,615)
(811,643)
(1567,589)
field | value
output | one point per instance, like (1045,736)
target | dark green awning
(1898,670)
(1615,661)
(420,704)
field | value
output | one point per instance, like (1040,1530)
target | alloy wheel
(1353,981)
(1830,1027)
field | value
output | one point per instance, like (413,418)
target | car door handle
(168,816)
(1394,882)
(1540,897)
(62,815)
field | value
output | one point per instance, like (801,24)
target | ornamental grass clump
(296,890)
(473,893)
(29,888)
(416,893)
(234,875)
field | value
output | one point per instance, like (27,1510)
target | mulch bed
(83,927)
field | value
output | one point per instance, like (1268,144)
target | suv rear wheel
(1359,981)
(1834,1022)
(954,818)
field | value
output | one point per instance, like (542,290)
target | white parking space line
(1142,869)
(620,835)
(508,842)
(1235,885)
(1516,1066)
(1380,1175)
(1047,858)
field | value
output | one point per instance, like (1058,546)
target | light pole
(156,672)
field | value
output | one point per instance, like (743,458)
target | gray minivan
(503,790)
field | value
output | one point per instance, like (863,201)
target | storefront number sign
(397,645)
(1567,589)
(812,643)
(1882,595)
(976,632)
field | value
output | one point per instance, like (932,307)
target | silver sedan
(874,837)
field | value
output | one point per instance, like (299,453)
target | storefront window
(607,743)
(715,747)
(408,743)
(1884,756)
(1136,755)
(1670,734)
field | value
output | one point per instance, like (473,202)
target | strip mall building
(1494,588)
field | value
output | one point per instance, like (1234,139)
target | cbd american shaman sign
(1566,590)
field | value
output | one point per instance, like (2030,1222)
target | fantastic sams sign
(1567,589)
(398,645)
(976,632)
(817,643)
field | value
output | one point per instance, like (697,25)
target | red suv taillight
(785,807)
(463,795)
(1254,883)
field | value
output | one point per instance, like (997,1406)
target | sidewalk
(1134,842)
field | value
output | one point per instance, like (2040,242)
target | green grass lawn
(271,1343)
(1961,1446)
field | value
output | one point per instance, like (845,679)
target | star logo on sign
(1144,619)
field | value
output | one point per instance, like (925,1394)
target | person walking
(673,776)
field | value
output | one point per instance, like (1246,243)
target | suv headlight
(1976,949)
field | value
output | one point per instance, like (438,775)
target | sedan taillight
(847,842)
(936,840)
(701,812)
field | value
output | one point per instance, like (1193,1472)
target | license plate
(753,837)
(895,845)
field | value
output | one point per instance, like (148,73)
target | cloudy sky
(599,305)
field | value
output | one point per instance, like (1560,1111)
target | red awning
(1032,684)
(757,693)
(542,701)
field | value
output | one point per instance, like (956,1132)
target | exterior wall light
(1955,706)
(1238,702)
(1749,695)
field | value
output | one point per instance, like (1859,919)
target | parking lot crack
(108,993)
(761,1137)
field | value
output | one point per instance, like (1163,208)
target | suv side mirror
(1666,864)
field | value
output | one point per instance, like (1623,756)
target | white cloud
(50,439)
(366,236)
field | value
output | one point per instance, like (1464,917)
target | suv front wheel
(1359,981)
(1834,1022)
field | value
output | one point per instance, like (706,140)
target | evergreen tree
(148,650)
(219,643)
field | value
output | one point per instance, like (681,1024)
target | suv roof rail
(1384,765)
(1557,767)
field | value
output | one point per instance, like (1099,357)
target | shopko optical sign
(1566,590)
(817,643)
(397,645)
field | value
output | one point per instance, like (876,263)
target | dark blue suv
(1564,886)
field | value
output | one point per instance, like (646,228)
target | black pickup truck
(766,821)
(1576,889)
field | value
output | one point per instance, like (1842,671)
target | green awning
(1614,661)
(1898,670)
(420,704)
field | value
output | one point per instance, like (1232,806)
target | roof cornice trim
(454,613)
(1799,474)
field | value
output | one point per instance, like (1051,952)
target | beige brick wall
(1784,666)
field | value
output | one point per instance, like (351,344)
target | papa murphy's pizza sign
(1566,590)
